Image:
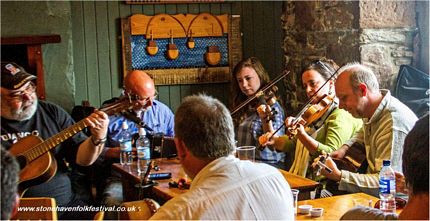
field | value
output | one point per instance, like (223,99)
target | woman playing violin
(328,132)
(249,77)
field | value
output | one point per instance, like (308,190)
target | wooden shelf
(28,40)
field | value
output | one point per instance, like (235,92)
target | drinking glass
(246,153)
(295,198)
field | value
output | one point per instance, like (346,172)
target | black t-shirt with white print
(48,120)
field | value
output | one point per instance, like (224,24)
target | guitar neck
(43,147)
(53,141)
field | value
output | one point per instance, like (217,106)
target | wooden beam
(28,40)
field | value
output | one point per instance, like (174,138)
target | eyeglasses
(144,100)
(17,96)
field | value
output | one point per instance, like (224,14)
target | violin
(308,115)
(311,113)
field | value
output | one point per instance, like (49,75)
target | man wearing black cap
(23,115)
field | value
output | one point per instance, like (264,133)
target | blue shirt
(159,117)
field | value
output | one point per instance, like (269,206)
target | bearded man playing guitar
(25,121)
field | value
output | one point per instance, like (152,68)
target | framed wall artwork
(182,48)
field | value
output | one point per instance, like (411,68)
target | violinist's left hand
(264,111)
(298,128)
(335,174)
(301,130)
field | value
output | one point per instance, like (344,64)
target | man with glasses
(22,114)
(153,113)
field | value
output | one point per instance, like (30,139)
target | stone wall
(387,36)
(379,34)
(313,30)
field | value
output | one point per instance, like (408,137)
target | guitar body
(37,163)
(34,172)
(354,159)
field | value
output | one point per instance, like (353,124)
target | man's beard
(21,114)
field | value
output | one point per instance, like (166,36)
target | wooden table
(336,206)
(130,178)
(303,184)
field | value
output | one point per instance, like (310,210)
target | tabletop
(173,166)
(335,206)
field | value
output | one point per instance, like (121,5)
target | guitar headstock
(125,102)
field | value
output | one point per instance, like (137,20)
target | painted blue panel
(188,58)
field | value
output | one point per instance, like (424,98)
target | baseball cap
(14,76)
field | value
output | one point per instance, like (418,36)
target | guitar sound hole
(22,161)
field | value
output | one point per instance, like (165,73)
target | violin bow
(310,99)
(260,92)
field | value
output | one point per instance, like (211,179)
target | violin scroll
(270,95)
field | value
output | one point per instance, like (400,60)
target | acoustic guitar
(354,159)
(37,163)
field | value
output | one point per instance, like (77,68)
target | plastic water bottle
(143,151)
(124,139)
(387,188)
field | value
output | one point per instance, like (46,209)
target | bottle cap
(142,131)
(386,163)
(124,125)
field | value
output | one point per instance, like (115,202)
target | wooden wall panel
(81,84)
(97,45)
(92,56)
(103,42)
(114,25)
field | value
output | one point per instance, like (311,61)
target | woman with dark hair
(327,133)
(249,76)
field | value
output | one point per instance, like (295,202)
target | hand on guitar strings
(334,175)
(340,153)
(98,124)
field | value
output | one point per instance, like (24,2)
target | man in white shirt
(223,186)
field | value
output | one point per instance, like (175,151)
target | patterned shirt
(251,128)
